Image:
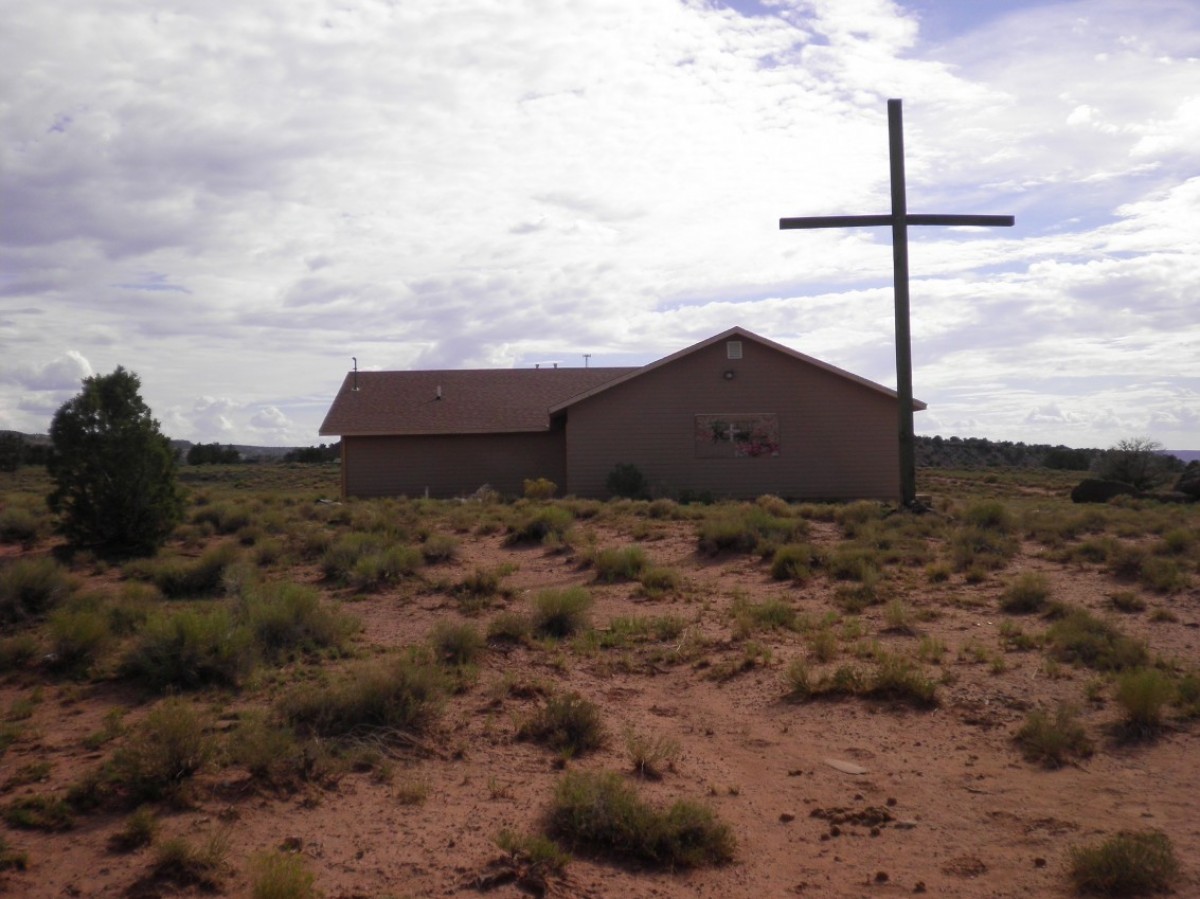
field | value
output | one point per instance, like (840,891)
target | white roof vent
(733,349)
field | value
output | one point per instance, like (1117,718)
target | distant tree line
(16,450)
(320,453)
(212,454)
(979,452)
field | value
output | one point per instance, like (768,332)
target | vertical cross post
(898,221)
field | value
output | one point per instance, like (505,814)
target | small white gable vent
(733,349)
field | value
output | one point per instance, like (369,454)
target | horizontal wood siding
(839,440)
(450,465)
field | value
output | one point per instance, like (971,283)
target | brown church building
(735,415)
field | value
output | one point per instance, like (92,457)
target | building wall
(837,439)
(450,465)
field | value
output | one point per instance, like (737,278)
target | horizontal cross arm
(982,221)
(835,221)
(878,221)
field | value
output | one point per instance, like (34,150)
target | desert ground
(864,702)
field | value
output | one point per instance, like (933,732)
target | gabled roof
(496,401)
(479,401)
(734,332)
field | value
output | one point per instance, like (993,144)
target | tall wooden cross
(899,220)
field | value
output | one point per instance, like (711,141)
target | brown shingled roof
(477,401)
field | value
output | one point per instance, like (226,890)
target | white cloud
(233,202)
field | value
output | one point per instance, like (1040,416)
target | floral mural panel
(737,436)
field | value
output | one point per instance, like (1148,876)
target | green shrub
(898,679)
(990,515)
(385,567)
(1128,864)
(30,587)
(560,613)
(281,875)
(657,581)
(539,488)
(1127,601)
(439,548)
(797,681)
(269,751)
(178,577)
(179,862)
(747,528)
(456,643)
(1081,638)
(1144,694)
(599,812)
(18,525)
(850,562)
(509,627)
(1028,592)
(40,812)
(1163,575)
(545,524)
(536,854)
(163,753)
(287,617)
(568,723)
(402,694)
(140,830)
(1055,740)
(623,564)
(17,651)
(77,638)
(982,548)
(626,480)
(191,648)
(651,755)
(795,561)
(770,614)
(114,472)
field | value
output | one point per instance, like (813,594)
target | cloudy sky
(232,200)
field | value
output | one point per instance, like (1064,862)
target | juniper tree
(114,471)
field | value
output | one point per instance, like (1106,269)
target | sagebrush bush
(560,613)
(651,755)
(599,812)
(538,488)
(1053,740)
(1127,864)
(747,528)
(31,587)
(625,563)
(795,561)
(163,753)
(456,643)
(770,614)
(387,566)
(402,694)
(990,515)
(178,577)
(281,875)
(19,525)
(568,723)
(191,648)
(185,865)
(543,524)
(1144,694)
(1082,638)
(287,617)
(626,480)
(1028,592)
(77,638)
(657,581)
(439,548)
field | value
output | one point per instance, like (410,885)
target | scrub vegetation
(550,663)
